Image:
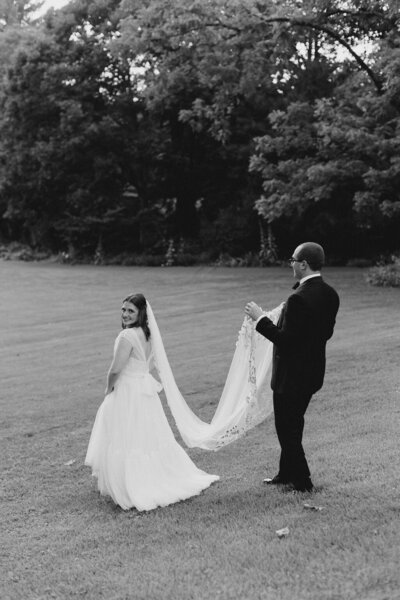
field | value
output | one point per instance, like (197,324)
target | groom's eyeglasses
(293,260)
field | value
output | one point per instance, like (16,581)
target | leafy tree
(17,12)
(128,123)
(329,168)
(224,67)
(68,113)
(196,68)
(18,29)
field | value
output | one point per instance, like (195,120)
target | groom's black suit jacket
(305,325)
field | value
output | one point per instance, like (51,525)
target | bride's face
(129,314)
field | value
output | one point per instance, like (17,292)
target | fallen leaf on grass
(282,532)
(312,507)
(70,462)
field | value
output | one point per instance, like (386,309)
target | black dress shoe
(277,480)
(303,486)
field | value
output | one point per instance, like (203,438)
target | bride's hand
(253,310)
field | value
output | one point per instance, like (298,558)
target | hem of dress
(214,479)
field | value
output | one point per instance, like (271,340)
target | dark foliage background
(156,127)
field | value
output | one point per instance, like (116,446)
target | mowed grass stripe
(61,540)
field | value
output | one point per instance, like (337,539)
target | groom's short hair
(313,254)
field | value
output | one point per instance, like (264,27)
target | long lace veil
(246,399)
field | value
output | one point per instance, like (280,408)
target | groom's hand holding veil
(253,311)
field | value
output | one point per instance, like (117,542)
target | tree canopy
(126,124)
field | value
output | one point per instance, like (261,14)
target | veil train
(246,399)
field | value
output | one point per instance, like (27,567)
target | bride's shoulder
(129,334)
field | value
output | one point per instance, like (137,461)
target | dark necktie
(296,285)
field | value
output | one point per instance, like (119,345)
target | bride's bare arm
(118,362)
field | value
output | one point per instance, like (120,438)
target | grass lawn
(60,540)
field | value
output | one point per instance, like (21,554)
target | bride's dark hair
(140,302)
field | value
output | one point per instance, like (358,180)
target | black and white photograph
(199,299)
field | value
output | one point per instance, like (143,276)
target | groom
(305,325)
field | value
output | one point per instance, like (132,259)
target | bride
(132,450)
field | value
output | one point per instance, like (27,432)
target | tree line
(206,128)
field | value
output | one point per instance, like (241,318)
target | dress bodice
(136,366)
(141,360)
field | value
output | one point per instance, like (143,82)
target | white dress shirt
(303,279)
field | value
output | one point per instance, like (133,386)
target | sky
(53,3)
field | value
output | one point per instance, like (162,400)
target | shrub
(386,275)
(361,263)
(127,259)
(17,251)
(188,259)
(248,260)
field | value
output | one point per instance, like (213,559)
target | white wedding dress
(132,450)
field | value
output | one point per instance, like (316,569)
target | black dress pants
(289,412)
